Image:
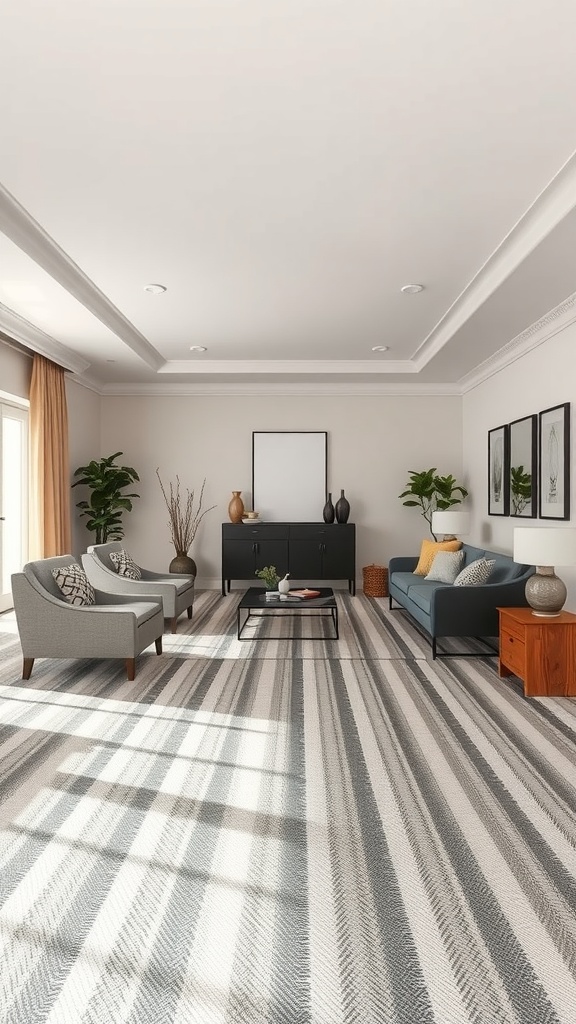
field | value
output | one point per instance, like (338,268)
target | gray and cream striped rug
(317,837)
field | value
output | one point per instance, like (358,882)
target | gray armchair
(176,591)
(115,627)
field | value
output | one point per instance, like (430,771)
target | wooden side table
(540,650)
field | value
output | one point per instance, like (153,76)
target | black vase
(328,511)
(342,509)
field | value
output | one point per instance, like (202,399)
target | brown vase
(236,507)
(182,563)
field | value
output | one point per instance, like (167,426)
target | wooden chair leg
(173,624)
(27,668)
(131,668)
(189,610)
(158,643)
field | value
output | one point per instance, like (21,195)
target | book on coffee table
(304,593)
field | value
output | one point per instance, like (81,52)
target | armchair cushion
(125,565)
(74,584)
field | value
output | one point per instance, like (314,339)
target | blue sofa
(444,610)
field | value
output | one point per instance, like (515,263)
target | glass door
(13,497)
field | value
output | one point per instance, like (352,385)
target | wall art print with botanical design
(498,471)
(523,435)
(554,462)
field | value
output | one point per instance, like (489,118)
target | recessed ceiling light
(379,348)
(110,360)
(198,348)
(155,289)
(412,289)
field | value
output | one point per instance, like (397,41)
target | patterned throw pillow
(475,573)
(446,566)
(429,549)
(125,565)
(74,584)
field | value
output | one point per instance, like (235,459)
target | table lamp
(450,522)
(545,547)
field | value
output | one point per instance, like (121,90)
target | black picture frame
(523,467)
(499,471)
(554,462)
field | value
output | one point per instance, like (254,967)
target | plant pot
(182,563)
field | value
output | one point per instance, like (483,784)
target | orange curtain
(49,464)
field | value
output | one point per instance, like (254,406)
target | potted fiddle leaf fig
(429,492)
(108,501)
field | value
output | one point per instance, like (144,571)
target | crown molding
(292,390)
(30,237)
(545,213)
(323,367)
(23,331)
(554,321)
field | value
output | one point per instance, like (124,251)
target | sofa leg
(189,610)
(390,602)
(433,648)
(173,624)
(27,668)
(131,668)
(158,643)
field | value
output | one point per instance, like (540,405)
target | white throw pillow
(475,573)
(74,584)
(446,566)
(125,565)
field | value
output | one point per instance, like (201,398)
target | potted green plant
(270,576)
(107,502)
(428,491)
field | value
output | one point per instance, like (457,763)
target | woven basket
(375,580)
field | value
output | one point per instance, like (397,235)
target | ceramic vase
(342,509)
(284,585)
(182,563)
(236,507)
(328,511)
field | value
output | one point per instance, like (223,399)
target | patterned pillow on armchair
(125,565)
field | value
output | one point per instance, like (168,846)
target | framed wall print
(498,471)
(524,467)
(289,474)
(554,462)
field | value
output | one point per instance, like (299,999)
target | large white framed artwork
(289,475)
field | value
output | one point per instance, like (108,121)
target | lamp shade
(451,521)
(545,545)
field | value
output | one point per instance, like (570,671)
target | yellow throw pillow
(430,549)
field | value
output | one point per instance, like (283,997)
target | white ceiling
(284,167)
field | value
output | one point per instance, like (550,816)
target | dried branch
(183,520)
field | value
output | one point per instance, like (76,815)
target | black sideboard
(308,551)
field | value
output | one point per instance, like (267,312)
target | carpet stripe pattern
(285,840)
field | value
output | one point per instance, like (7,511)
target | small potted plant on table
(270,576)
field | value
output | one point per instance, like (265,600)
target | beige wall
(539,380)
(15,371)
(372,444)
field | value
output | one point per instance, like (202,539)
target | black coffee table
(324,606)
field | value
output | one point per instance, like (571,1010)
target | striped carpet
(350,839)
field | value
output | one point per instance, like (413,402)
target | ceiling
(283,169)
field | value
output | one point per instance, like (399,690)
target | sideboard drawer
(513,651)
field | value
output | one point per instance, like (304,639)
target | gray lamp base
(545,592)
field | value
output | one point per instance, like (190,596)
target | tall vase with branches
(183,519)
